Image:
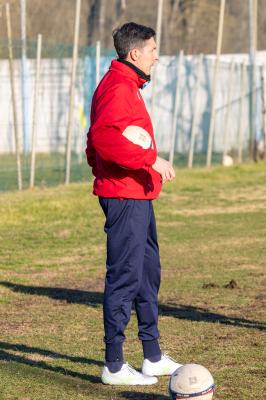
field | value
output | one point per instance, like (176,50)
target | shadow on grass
(95,299)
(76,296)
(43,365)
(47,353)
(202,314)
(143,396)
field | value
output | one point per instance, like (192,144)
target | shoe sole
(160,374)
(128,384)
(106,382)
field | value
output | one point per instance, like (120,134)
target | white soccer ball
(228,161)
(138,135)
(191,381)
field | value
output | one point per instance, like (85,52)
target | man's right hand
(164,168)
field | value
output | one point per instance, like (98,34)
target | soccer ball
(138,135)
(227,161)
(191,381)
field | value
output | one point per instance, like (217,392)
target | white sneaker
(166,366)
(126,376)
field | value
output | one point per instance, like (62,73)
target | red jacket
(121,168)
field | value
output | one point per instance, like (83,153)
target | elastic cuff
(114,352)
(150,158)
(151,348)
(114,366)
(155,358)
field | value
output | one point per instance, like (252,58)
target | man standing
(128,174)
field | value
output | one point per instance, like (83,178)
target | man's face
(146,56)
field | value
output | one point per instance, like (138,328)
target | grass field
(49,170)
(212,230)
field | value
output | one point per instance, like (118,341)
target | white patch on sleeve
(138,135)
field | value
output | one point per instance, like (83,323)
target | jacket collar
(132,72)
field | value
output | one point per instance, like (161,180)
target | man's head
(135,43)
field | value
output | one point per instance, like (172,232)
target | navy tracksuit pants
(133,272)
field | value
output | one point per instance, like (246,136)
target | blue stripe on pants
(133,268)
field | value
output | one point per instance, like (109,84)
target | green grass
(49,170)
(212,229)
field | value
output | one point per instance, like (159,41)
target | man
(128,174)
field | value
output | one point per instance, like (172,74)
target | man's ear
(134,54)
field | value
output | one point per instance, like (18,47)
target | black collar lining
(140,73)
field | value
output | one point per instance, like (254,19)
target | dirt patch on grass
(171,223)
(96,284)
(62,260)
(63,234)
(232,242)
(239,208)
(31,356)
(245,194)
(15,324)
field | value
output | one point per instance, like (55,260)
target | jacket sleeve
(90,151)
(114,113)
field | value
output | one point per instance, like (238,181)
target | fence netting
(179,100)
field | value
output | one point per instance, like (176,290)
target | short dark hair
(130,35)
